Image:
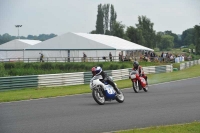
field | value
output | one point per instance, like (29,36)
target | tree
(106,8)
(131,33)
(197,38)
(134,35)
(104,25)
(118,30)
(167,42)
(158,38)
(93,32)
(99,22)
(51,36)
(113,17)
(146,27)
(6,38)
(42,37)
(177,42)
(30,37)
(188,37)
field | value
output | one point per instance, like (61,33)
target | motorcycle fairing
(109,92)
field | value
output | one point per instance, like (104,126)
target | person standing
(41,57)
(84,57)
(120,56)
(110,56)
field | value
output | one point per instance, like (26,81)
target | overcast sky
(62,16)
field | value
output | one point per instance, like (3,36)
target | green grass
(193,127)
(21,69)
(45,92)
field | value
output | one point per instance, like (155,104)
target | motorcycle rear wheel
(99,98)
(120,97)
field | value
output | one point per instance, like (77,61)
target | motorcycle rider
(97,70)
(137,67)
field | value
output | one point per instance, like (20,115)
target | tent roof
(115,42)
(30,42)
(18,44)
(85,41)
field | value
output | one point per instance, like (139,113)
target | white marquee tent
(74,44)
(15,48)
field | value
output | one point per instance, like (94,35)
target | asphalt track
(167,103)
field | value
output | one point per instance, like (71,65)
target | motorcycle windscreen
(133,76)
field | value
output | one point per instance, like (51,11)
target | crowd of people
(164,57)
(146,56)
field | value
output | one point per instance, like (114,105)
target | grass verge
(193,127)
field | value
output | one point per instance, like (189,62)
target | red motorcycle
(138,82)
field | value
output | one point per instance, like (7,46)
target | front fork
(137,85)
(100,90)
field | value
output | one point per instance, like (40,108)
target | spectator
(183,58)
(162,59)
(41,57)
(172,58)
(145,53)
(120,56)
(84,57)
(145,58)
(161,54)
(152,56)
(126,58)
(110,56)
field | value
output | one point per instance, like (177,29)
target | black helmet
(135,64)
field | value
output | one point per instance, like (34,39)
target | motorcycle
(138,82)
(102,92)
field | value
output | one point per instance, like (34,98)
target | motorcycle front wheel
(98,96)
(135,86)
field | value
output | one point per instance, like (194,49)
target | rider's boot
(114,86)
(146,80)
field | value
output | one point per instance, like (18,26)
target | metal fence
(78,59)
(189,64)
(66,59)
(91,59)
(66,79)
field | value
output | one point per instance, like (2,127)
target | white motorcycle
(102,92)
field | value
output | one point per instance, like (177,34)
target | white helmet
(98,70)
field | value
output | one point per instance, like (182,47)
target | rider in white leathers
(98,71)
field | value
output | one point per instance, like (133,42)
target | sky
(63,16)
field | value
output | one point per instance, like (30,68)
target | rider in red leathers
(137,67)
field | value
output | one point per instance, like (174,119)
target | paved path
(167,103)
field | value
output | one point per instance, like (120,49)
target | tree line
(42,37)
(143,32)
